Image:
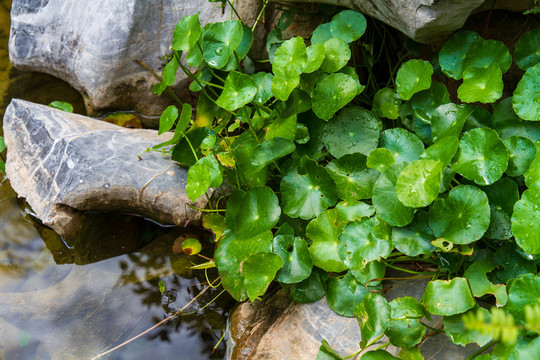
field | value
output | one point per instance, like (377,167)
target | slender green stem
(482,349)
(259,16)
(353,355)
(431,328)
(407,270)
(206,210)
(382,346)
(234,10)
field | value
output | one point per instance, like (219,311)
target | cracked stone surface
(64,163)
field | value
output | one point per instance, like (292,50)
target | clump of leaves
(326,195)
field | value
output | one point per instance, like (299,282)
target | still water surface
(62,303)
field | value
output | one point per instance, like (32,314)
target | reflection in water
(52,307)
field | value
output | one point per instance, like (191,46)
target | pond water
(58,302)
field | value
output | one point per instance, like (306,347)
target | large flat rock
(64,163)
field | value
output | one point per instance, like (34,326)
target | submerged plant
(325,195)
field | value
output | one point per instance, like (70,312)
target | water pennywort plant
(325,195)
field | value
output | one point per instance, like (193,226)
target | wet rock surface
(94,45)
(63,164)
(426,21)
(278,328)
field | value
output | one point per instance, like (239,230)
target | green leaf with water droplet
(307,190)
(263,82)
(323,231)
(481,84)
(220,40)
(412,77)
(241,51)
(526,98)
(186,33)
(502,195)
(373,315)
(344,294)
(290,58)
(336,55)
(354,130)
(204,174)
(385,199)
(507,123)
(454,52)
(448,120)
(296,259)
(259,270)
(476,275)
(527,53)
(315,57)
(332,93)
(282,86)
(364,241)
(353,180)
(230,256)
(521,152)
(348,211)
(414,239)
(239,90)
(481,157)
(446,298)
(525,224)
(348,25)
(486,53)
(462,217)
(418,184)
(443,150)
(403,144)
(321,34)
(425,102)
(271,150)
(283,127)
(380,159)
(511,263)
(386,103)
(404,330)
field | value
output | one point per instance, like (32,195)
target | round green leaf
(307,190)
(201,176)
(344,294)
(364,241)
(353,210)
(507,123)
(167,119)
(425,102)
(323,231)
(502,195)
(332,93)
(481,157)
(528,348)
(512,264)
(461,218)
(348,25)
(65,106)
(448,120)
(315,57)
(259,270)
(415,238)
(521,152)
(296,259)
(283,127)
(404,145)
(380,159)
(263,82)
(476,274)
(481,84)
(386,103)
(446,298)
(321,34)
(532,175)
(239,90)
(525,290)
(186,33)
(336,55)
(191,246)
(412,77)
(311,289)
(460,335)
(527,53)
(242,149)
(373,315)
(271,150)
(258,211)
(442,150)
(282,86)
(404,330)
(454,52)
(373,270)
(219,42)
(241,51)
(230,255)
(385,199)
(354,130)
(525,224)
(526,99)
(353,180)
(486,53)
(290,58)
(418,184)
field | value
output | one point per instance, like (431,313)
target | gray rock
(63,163)
(93,44)
(426,21)
(279,328)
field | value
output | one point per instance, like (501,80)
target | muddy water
(52,307)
